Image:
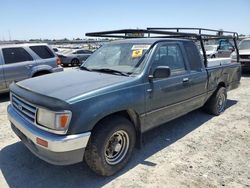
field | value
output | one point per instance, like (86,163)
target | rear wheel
(110,146)
(217,103)
(75,62)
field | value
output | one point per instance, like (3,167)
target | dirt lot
(197,150)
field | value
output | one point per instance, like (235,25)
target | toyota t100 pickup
(99,112)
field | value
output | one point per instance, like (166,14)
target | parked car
(211,51)
(22,61)
(70,57)
(223,49)
(244,51)
(55,50)
(124,89)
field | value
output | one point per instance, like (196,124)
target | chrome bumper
(62,149)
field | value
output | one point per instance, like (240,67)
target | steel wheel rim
(221,103)
(116,147)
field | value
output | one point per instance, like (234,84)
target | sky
(57,19)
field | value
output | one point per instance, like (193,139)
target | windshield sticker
(140,47)
(137,53)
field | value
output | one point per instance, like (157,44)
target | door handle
(185,80)
(149,90)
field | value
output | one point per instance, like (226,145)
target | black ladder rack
(199,34)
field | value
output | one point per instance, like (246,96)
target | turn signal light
(63,121)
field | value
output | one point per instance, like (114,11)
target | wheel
(75,62)
(217,103)
(110,145)
(213,56)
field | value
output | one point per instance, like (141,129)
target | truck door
(166,97)
(17,64)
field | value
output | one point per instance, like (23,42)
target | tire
(213,56)
(105,153)
(75,62)
(217,103)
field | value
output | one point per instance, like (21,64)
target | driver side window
(170,55)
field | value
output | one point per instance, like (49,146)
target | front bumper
(61,149)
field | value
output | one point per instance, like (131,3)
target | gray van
(22,61)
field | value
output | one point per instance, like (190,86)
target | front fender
(90,111)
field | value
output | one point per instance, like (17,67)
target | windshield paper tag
(137,53)
(140,47)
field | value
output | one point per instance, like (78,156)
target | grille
(245,56)
(25,109)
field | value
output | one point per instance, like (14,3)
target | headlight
(53,120)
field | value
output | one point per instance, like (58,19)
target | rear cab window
(16,55)
(194,57)
(42,51)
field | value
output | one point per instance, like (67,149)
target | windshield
(123,57)
(210,48)
(245,44)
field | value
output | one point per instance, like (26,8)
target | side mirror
(161,72)
(231,49)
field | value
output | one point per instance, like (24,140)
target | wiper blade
(111,71)
(85,68)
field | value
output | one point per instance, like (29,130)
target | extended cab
(125,88)
(22,61)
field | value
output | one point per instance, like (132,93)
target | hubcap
(221,103)
(116,147)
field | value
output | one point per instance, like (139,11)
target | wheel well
(133,117)
(41,73)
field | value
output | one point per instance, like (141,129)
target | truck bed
(220,72)
(218,61)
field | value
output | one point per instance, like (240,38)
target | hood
(70,84)
(244,52)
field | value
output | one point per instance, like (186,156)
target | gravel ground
(196,150)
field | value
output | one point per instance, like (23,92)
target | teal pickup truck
(98,112)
